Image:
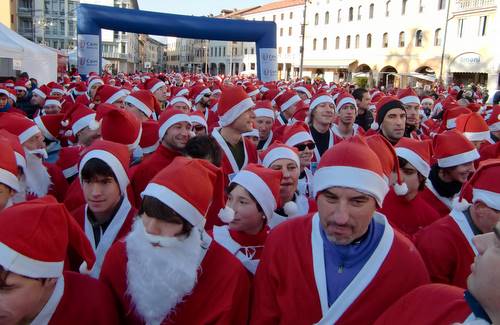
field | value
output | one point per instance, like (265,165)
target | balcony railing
(463,5)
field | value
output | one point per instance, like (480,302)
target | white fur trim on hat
(253,93)
(201,94)
(71,171)
(264,112)
(259,189)
(477,136)
(177,118)
(23,137)
(427,100)
(303,90)
(140,105)
(23,265)
(175,202)
(150,149)
(280,153)
(113,98)
(321,99)
(57,91)
(459,159)
(157,86)
(253,133)
(200,120)
(9,179)
(234,112)
(20,160)
(182,92)
(362,180)
(290,102)
(491,199)
(451,123)
(39,93)
(52,102)
(410,100)
(180,99)
(82,123)
(344,101)
(94,81)
(20,88)
(299,138)
(113,163)
(420,164)
(135,144)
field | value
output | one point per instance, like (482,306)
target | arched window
(356,42)
(337,42)
(316,19)
(385,40)
(418,38)
(401,41)
(437,37)
(372,9)
(348,42)
(325,43)
(387,6)
(369,40)
(327,18)
(359,12)
(403,7)
(351,13)
(314,44)
(339,16)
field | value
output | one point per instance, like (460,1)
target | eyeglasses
(302,146)
(207,95)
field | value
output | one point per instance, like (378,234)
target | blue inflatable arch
(91,18)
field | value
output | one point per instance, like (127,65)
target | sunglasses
(207,95)
(302,146)
(199,128)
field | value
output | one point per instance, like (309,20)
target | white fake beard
(158,278)
(37,176)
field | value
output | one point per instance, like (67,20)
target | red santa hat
(115,155)
(180,99)
(68,160)
(263,184)
(8,166)
(57,89)
(287,99)
(143,100)
(296,134)
(50,125)
(21,85)
(35,237)
(264,108)
(80,88)
(484,184)
(427,99)
(352,164)
(78,118)
(451,148)
(319,98)
(20,126)
(121,126)
(170,117)
(306,89)
(450,116)
(180,91)
(93,81)
(233,102)
(197,92)
(14,142)
(110,94)
(9,83)
(493,119)
(473,127)
(408,96)
(198,117)
(251,90)
(149,139)
(344,99)
(389,161)
(52,100)
(417,153)
(154,84)
(43,91)
(190,202)
(279,151)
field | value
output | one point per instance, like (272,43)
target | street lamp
(444,42)
(303,40)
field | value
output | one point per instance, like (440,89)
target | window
(385,40)
(403,7)
(314,44)
(282,16)
(291,15)
(327,18)
(460,27)
(482,25)
(289,50)
(351,14)
(224,51)
(401,41)
(359,12)
(339,16)
(387,6)
(252,51)
(252,66)
(289,31)
(337,42)
(325,43)
(372,9)
(437,37)
(348,42)
(211,51)
(246,51)
(421,6)
(418,38)
(356,42)
(316,19)
(281,31)
(274,17)
(441,4)
(280,50)
(369,40)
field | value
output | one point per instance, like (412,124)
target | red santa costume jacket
(58,186)
(447,249)
(118,228)
(441,204)
(408,216)
(220,296)
(148,168)
(78,300)
(333,139)
(290,283)
(356,130)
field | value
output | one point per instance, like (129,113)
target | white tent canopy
(39,62)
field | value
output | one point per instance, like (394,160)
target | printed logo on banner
(268,64)
(88,53)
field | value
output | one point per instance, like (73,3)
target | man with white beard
(40,178)
(168,270)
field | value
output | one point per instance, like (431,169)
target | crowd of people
(179,198)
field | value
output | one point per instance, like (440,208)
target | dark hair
(204,147)
(232,186)
(421,178)
(358,93)
(155,208)
(96,167)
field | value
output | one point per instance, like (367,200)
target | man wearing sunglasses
(200,96)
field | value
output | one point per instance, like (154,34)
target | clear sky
(196,7)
